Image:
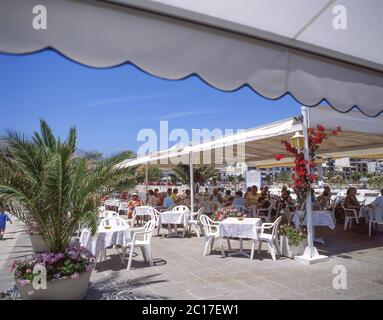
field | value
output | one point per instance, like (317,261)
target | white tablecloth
(112,203)
(234,228)
(104,238)
(320,219)
(174,217)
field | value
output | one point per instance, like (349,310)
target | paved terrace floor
(181,272)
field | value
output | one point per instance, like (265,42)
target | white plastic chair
(211,233)
(193,222)
(139,213)
(265,213)
(349,215)
(374,221)
(181,208)
(207,205)
(123,207)
(113,221)
(146,231)
(270,238)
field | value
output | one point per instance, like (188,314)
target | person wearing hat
(134,202)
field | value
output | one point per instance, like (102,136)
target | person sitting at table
(216,197)
(265,192)
(351,201)
(152,199)
(378,202)
(124,195)
(185,200)
(287,200)
(248,191)
(227,196)
(324,198)
(175,197)
(229,202)
(252,197)
(263,203)
(239,201)
(168,200)
(133,203)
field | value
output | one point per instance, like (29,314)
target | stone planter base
(290,251)
(61,289)
(38,243)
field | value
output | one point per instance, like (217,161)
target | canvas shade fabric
(361,137)
(274,47)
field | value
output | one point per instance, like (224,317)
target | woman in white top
(152,199)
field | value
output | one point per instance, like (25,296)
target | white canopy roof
(272,46)
(361,137)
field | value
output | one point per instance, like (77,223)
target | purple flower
(30,292)
(89,267)
(24,282)
(75,275)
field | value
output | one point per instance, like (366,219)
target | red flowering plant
(304,175)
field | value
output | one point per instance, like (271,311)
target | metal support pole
(309,218)
(191,182)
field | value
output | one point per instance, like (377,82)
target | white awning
(272,46)
(361,137)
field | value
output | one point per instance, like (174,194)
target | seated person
(168,200)
(124,195)
(252,197)
(227,196)
(378,202)
(263,203)
(133,203)
(265,192)
(324,198)
(239,201)
(152,199)
(351,201)
(287,200)
(229,202)
(216,197)
(186,201)
(175,197)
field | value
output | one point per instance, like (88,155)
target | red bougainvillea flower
(303,176)
(279,157)
(321,128)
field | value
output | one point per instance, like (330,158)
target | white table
(321,218)
(174,218)
(242,229)
(104,238)
(112,203)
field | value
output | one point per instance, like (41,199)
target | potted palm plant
(292,241)
(53,191)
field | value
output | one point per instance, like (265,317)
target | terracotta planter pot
(291,251)
(60,289)
(38,243)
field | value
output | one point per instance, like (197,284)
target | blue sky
(110,106)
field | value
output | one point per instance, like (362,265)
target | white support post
(146,180)
(311,254)
(191,182)
(235,177)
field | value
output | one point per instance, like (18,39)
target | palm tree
(201,173)
(154,174)
(57,189)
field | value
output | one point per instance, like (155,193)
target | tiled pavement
(181,272)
